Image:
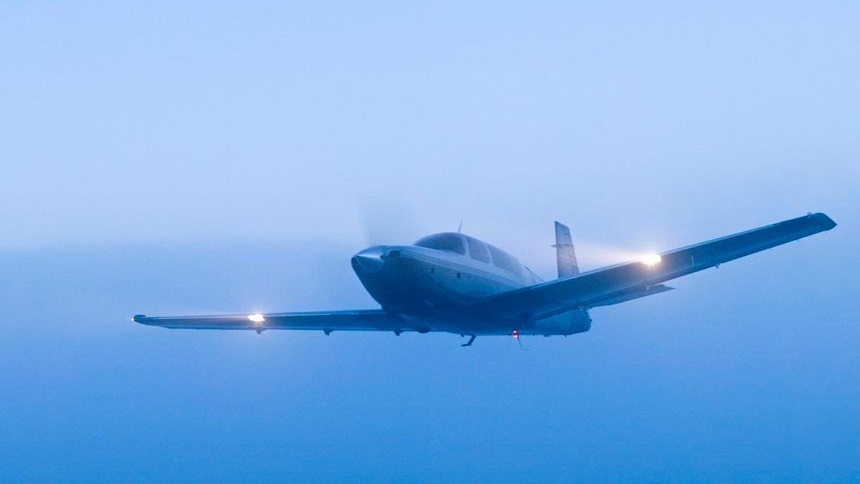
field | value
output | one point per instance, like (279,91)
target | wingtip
(823,220)
(138,318)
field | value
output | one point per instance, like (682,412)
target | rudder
(565,253)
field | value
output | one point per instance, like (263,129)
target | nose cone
(370,260)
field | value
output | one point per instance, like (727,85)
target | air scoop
(369,260)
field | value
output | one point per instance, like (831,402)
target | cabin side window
(478,250)
(504,261)
(447,242)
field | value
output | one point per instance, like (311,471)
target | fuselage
(437,279)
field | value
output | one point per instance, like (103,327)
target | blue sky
(211,157)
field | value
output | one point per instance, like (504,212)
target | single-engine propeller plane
(450,282)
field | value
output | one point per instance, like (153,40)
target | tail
(565,255)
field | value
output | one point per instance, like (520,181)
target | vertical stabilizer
(565,255)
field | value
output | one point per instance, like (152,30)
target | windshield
(448,241)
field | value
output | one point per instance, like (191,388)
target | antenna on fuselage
(460,227)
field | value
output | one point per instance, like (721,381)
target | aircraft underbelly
(407,282)
(438,296)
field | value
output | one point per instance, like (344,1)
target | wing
(632,280)
(328,321)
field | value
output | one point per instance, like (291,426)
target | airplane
(451,282)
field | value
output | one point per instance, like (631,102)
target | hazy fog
(211,157)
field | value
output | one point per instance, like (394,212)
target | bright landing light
(651,259)
(256,318)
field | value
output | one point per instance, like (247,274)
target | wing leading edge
(631,280)
(328,321)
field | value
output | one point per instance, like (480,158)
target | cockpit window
(449,242)
(478,250)
(504,260)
